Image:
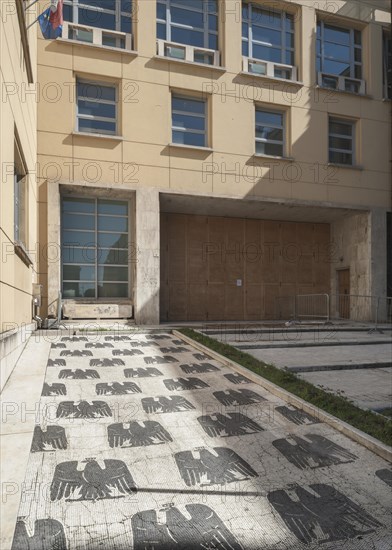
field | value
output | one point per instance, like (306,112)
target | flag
(51,20)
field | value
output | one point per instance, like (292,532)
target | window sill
(273,79)
(132,53)
(287,159)
(190,63)
(191,147)
(99,136)
(345,92)
(346,166)
(21,252)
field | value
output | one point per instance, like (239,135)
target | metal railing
(185,52)
(269,68)
(335,307)
(96,36)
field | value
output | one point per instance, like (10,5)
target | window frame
(95,234)
(387,63)
(250,41)
(205,116)
(321,58)
(352,152)
(283,127)
(118,12)
(116,104)
(21,184)
(205,14)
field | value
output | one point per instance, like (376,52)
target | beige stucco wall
(18,110)
(143,156)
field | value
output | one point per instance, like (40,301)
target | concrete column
(146,290)
(378,260)
(54,246)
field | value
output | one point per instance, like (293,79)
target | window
(94,248)
(96,108)
(268,35)
(387,64)
(20,197)
(339,53)
(112,15)
(270,133)
(189,121)
(341,141)
(190,22)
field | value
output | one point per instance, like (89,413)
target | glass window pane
(336,51)
(190,122)
(340,158)
(267,118)
(161,31)
(78,221)
(188,105)
(113,256)
(213,42)
(272,149)
(186,36)
(161,11)
(334,67)
(112,240)
(340,143)
(186,138)
(68,13)
(289,22)
(267,53)
(117,208)
(264,132)
(126,6)
(112,274)
(113,290)
(78,290)
(212,23)
(78,205)
(245,48)
(73,255)
(340,128)
(358,54)
(105,4)
(93,108)
(186,17)
(289,58)
(126,24)
(108,223)
(97,19)
(336,34)
(268,36)
(93,90)
(78,273)
(357,37)
(358,71)
(266,17)
(79,238)
(289,40)
(97,126)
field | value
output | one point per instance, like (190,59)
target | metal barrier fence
(328,307)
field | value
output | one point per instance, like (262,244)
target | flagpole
(31,5)
(33,23)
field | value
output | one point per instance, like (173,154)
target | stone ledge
(76,310)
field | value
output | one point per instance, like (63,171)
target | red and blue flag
(51,20)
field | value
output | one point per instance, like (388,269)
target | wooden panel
(203,257)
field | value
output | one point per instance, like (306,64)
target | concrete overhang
(255,208)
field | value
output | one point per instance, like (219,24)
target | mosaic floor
(145,443)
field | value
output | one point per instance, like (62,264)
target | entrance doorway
(344,293)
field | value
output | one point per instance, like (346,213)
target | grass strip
(369,422)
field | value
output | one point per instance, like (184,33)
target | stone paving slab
(367,388)
(145,443)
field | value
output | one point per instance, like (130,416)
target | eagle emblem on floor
(48,534)
(240,397)
(295,415)
(321,516)
(117,388)
(160,360)
(78,374)
(163,404)
(126,352)
(312,451)
(56,363)
(98,345)
(91,480)
(199,527)
(74,339)
(179,384)
(83,409)
(76,353)
(173,349)
(198,368)
(137,434)
(49,438)
(236,378)
(209,466)
(227,425)
(142,373)
(385,475)
(106,362)
(50,390)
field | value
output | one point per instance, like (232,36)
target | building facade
(18,191)
(204,160)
